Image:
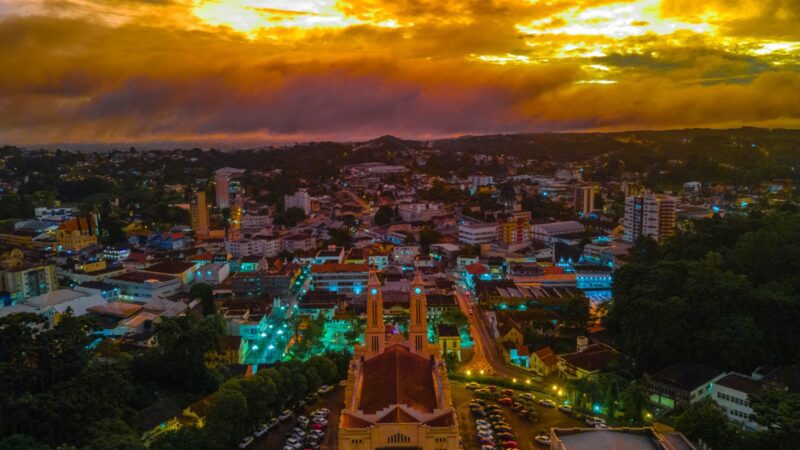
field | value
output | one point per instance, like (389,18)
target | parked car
(527,396)
(547,403)
(285,415)
(324,389)
(593,421)
(516,406)
(510,444)
(273,423)
(565,408)
(508,392)
(325,411)
(316,426)
(303,421)
(321,421)
(473,386)
(261,430)
(246,442)
(310,398)
(542,439)
(505,401)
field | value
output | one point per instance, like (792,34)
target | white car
(246,442)
(594,421)
(547,403)
(261,430)
(343,383)
(303,420)
(542,439)
(324,389)
(285,415)
(324,411)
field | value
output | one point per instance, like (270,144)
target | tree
(576,311)
(21,442)
(205,292)
(225,422)
(776,409)
(428,236)
(634,400)
(704,420)
(384,216)
(341,237)
(290,217)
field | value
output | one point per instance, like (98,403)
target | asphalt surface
(334,401)
(524,430)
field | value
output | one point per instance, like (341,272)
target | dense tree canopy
(713,294)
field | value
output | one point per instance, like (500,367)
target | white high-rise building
(300,199)
(649,215)
(584,200)
(222,181)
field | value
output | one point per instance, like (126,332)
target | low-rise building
(544,361)
(449,340)
(681,384)
(587,362)
(142,286)
(343,278)
(477,233)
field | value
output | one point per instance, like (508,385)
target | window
(398,438)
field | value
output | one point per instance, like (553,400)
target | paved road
(487,357)
(334,401)
(524,430)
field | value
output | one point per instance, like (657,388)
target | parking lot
(524,430)
(334,401)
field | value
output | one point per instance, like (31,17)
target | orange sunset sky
(256,71)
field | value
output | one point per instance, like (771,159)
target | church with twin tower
(397,394)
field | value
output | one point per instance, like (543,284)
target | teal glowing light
(596,408)
(374,291)
(417,290)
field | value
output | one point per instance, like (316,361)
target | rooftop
(740,383)
(335,268)
(143,277)
(170,267)
(686,375)
(395,377)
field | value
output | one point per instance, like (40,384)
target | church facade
(397,394)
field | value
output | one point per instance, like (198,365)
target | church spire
(418,322)
(375,335)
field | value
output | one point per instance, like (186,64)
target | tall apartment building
(300,199)
(649,215)
(584,200)
(198,210)
(477,233)
(515,229)
(26,281)
(227,185)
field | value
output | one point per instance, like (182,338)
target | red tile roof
(349,421)
(397,377)
(446,420)
(546,355)
(476,269)
(398,415)
(594,358)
